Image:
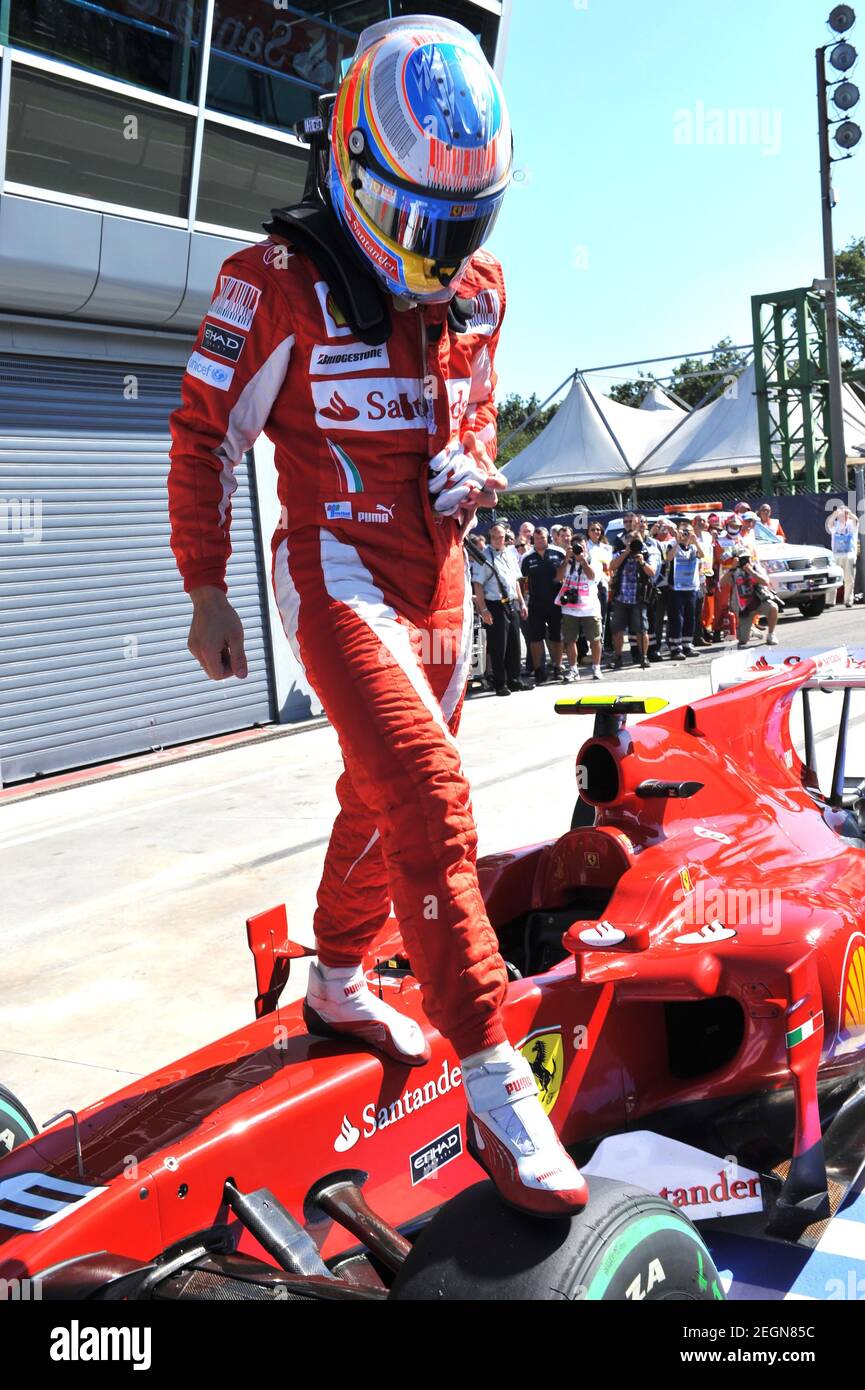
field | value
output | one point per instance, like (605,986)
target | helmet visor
(440,229)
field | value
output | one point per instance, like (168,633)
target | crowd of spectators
(553,600)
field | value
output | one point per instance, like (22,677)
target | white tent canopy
(594,443)
(578,449)
(656,398)
(713,440)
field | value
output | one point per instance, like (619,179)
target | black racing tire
(626,1244)
(16,1123)
(812,607)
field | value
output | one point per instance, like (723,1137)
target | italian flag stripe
(805,1030)
(353,482)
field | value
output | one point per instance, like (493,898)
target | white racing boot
(512,1139)
(339,1003)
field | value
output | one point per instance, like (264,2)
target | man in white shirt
(578,599)
(496,586)
(521,548)
(844,531)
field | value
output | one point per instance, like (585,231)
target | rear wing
(837,668)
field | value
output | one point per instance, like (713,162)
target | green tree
(850,270)
(513,412)
(632,392)
(691,378)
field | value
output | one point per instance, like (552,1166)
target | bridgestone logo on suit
(328,360)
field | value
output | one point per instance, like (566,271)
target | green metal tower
(792,388)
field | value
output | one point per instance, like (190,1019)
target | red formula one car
(687,982)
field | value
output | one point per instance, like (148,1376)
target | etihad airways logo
(374,1119)
(394,403)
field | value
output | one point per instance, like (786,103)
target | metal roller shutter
(93,619)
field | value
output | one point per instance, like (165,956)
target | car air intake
(598,774)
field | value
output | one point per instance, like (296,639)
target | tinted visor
(441,229)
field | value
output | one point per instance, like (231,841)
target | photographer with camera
(580,603)
(632,589)
(751,595)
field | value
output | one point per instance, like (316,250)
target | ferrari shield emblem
(591,859)
(686,880)
(545,1053)
(335,312)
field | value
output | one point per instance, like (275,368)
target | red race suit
(370,583)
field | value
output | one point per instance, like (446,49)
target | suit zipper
(424,364)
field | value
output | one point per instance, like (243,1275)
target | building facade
(140,142)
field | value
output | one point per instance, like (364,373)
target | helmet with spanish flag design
(420,153)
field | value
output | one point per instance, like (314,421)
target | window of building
(244,177)
(154,44)
(78,140)
(355,14)
(268,63)
(480,22)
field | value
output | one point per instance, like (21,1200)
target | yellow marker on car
(620,704)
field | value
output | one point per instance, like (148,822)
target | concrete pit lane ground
(124,900)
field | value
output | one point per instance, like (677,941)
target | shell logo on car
(851,1005)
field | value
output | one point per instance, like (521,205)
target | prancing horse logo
(544,1051)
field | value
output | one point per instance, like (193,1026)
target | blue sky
(635,231)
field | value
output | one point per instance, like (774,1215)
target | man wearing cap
(728,540)
(748,534)
(751,596)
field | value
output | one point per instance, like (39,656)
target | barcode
(461,170)
(487,309)
(236,302)
(389,110)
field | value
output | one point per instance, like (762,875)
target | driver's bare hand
(216,635)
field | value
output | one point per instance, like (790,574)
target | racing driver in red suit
(360,337)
